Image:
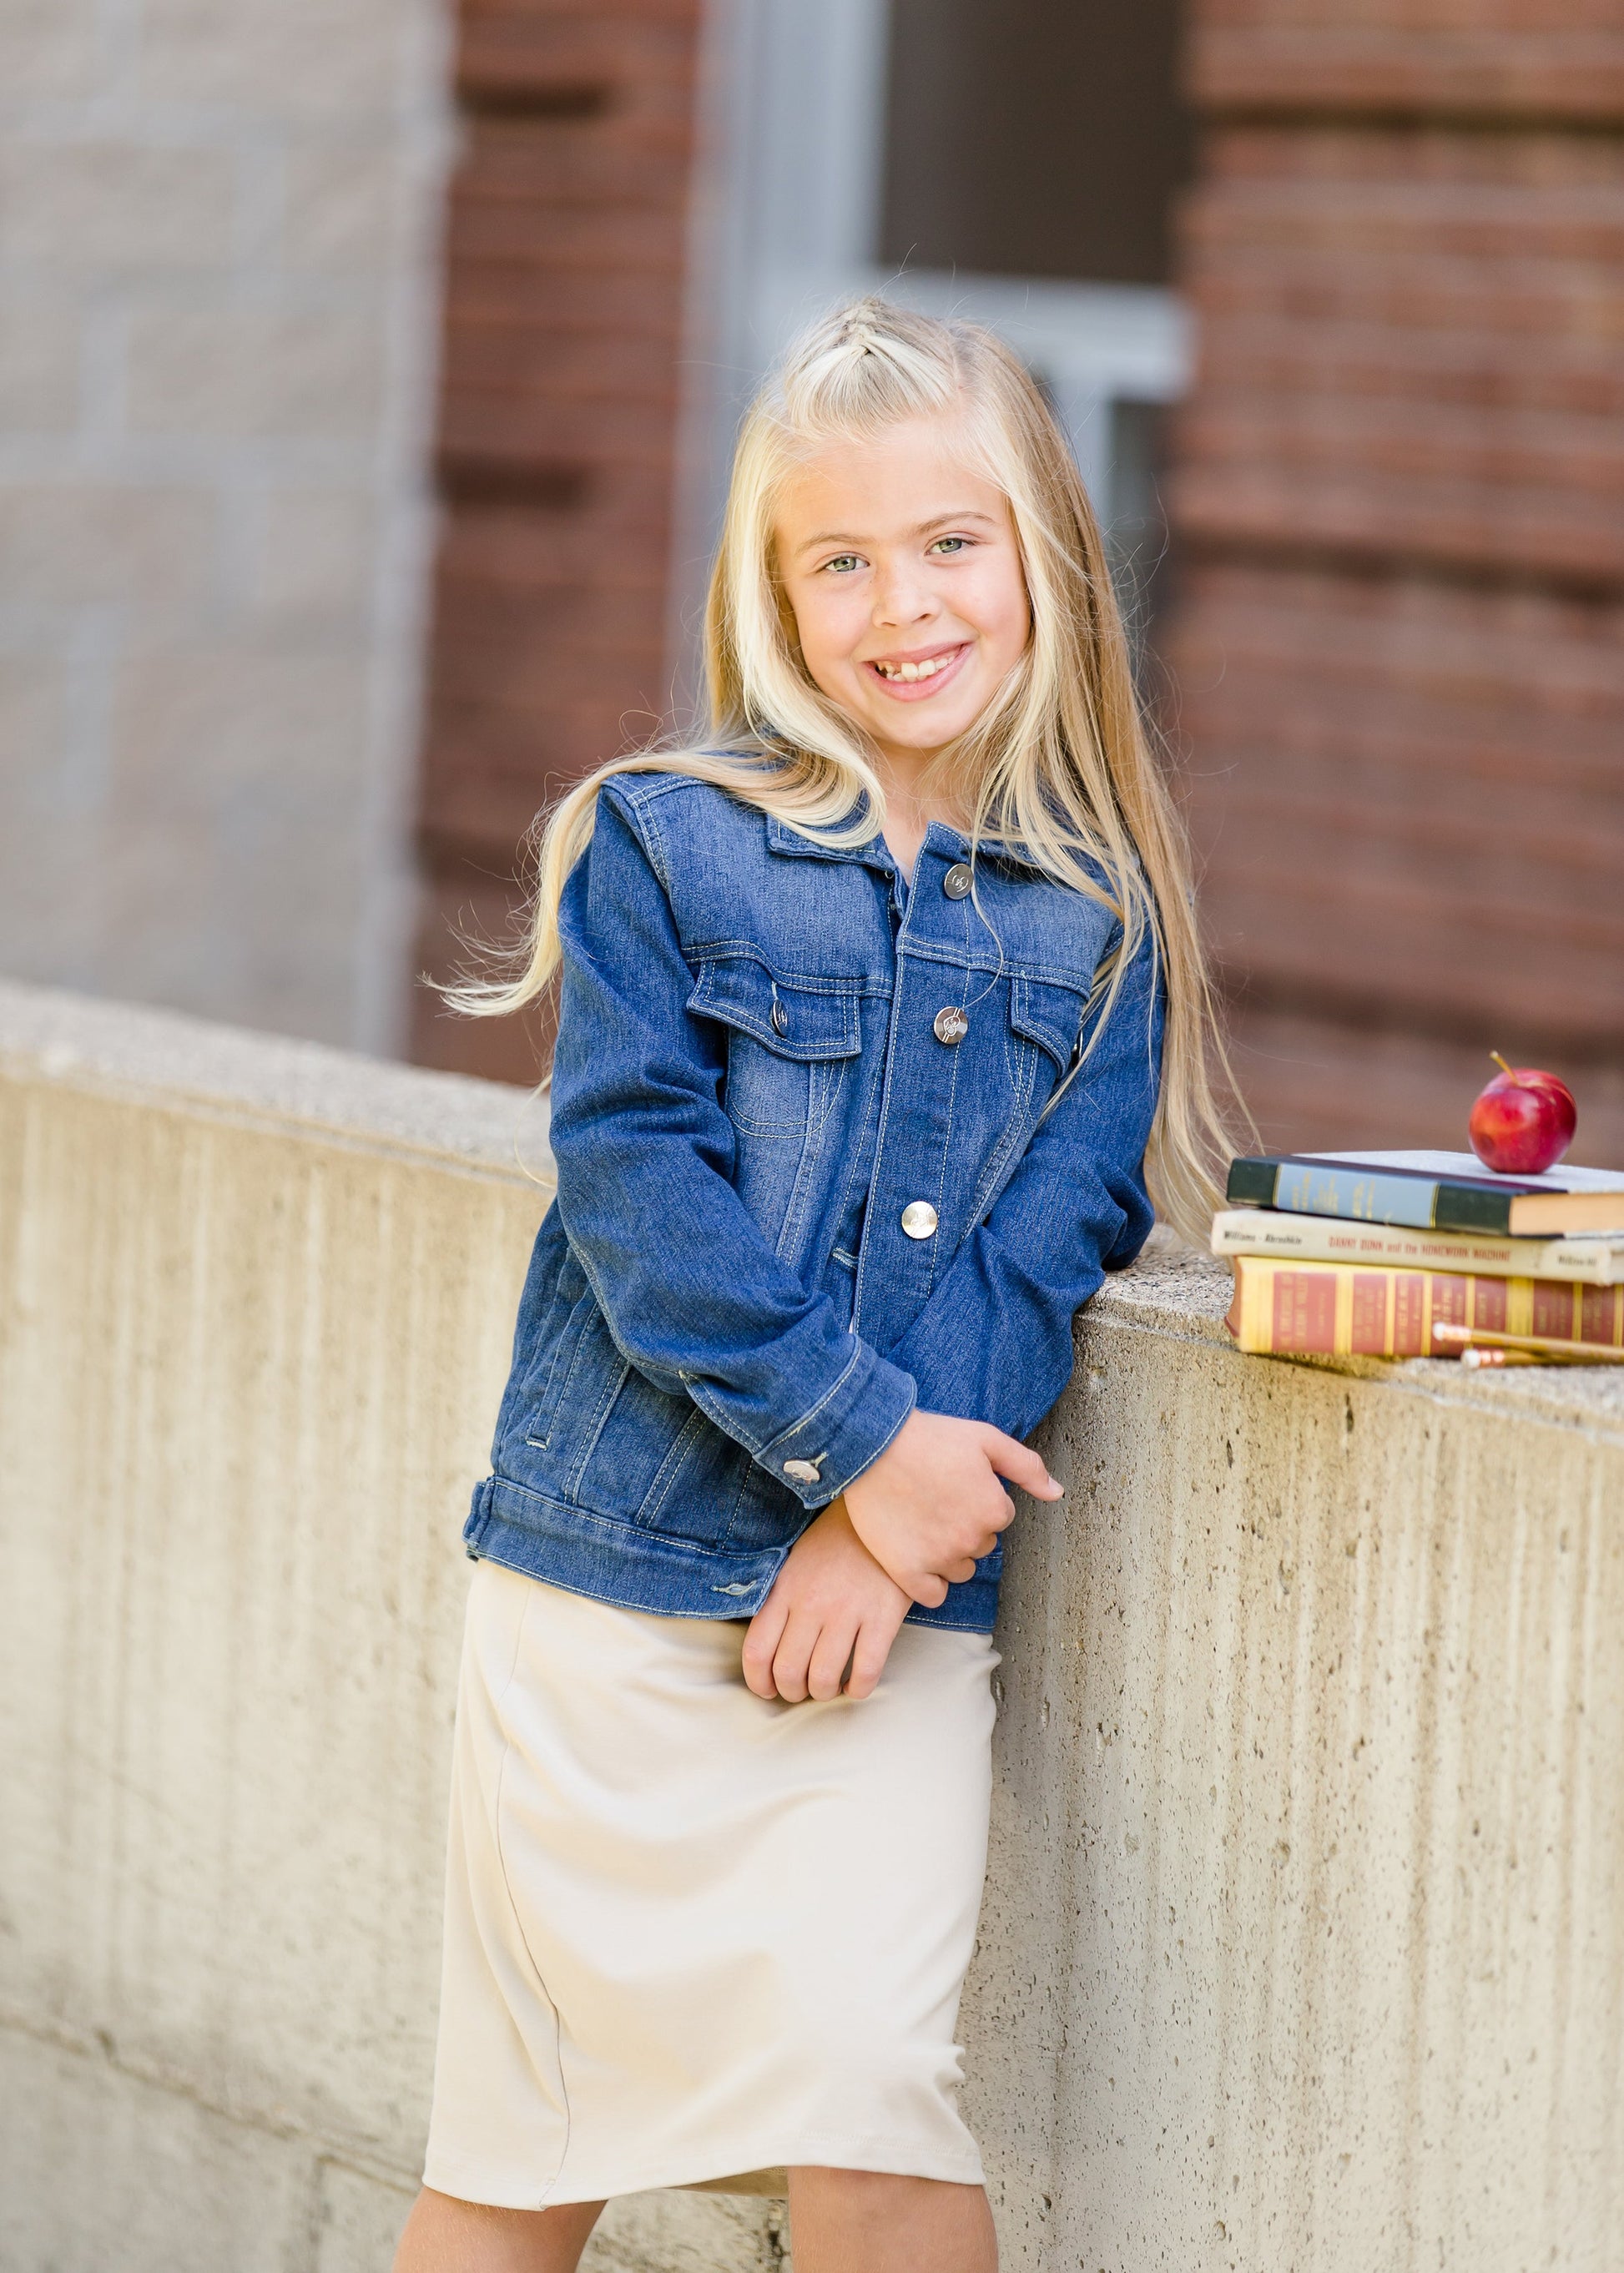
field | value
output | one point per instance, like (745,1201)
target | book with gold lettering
(1596,1255)
(1288,1308)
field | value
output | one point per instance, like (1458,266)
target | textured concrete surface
(219,284)
(1302,1945)
(255,1304)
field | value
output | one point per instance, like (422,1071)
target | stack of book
(1424,1254)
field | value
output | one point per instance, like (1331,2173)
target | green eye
(949,544)
(844,561)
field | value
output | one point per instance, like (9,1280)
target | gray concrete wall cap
(167,1058)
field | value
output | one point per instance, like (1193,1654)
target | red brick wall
(562,322)
(1400,496)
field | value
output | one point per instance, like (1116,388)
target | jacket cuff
(844,1432)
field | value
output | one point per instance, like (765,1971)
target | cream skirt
(689,1934)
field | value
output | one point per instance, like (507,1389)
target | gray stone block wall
(218,309)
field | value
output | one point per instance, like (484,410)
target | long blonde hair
(1059,766)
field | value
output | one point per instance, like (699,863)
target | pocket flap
(1049,1015)
(815,1017)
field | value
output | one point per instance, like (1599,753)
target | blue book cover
(1360,1194)
(1428,1191)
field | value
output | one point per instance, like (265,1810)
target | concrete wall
(1302,1944)
(218,288)
(255,1305)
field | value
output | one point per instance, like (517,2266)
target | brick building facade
(230,271)
(1399,504)
(564,306)
(1397,493)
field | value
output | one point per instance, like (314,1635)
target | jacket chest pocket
(790,1041)
(1046,1022)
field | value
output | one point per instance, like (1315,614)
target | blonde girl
(881,1021)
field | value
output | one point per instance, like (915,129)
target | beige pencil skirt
(690,1934)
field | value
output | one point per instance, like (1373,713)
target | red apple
(1523,1121)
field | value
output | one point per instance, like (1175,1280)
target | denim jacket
(806,1179)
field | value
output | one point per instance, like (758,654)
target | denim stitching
(654,844)
(552,1405)
(627,1524)
(782,1131)
(707,1001)
(795,1206)
(860,1152)
(598,1424)
(811,982)
(666,1473)
(828,1081)
(995,1173)
(777,1444)
(947,1141)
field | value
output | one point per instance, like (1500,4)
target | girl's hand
(931,1505)
(830,1606)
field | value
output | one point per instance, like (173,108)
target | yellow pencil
(1542,1345)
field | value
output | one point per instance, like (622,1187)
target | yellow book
(1342,1310)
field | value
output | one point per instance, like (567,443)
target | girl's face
(902,567)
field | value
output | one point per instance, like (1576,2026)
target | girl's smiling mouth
(910,677)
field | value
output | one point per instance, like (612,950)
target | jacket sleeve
(994,1341)
(690,1290)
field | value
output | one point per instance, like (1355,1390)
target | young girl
(880,1016)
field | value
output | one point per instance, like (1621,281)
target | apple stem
(1501,1062)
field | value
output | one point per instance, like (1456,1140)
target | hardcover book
(1338,1310)
(1596,1257)
(1430,1191)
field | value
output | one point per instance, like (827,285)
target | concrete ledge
(1173,1291)
(180,1063)
(1302,1944)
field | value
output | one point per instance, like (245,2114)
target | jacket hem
(637,1570)
(970,1607)
(616,1562)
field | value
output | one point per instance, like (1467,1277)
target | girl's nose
(901,597)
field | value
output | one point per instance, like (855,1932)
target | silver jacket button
(950,1025)
(957,881)
(803,1471)
(779,1017)
(919,1219)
